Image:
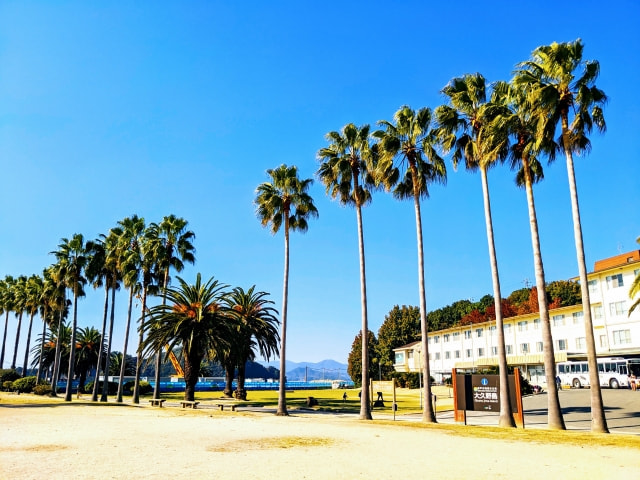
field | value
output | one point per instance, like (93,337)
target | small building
(474,346)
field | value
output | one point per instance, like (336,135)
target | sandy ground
(119,442)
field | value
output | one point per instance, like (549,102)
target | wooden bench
(156,402)
(221,407)
(188,403)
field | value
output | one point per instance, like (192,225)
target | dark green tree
(400,327)
(354,366)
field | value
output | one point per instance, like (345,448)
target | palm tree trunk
(124,349)
(241,393)
(26,352)
(15,348)
(282,399)
(554,416)
(365,408)
(428,415)
(598,419)
(136,387)
(506,414)
(156,385)
(191,371)
(44,334)
(94,393)
(105,383)
(228,379)
(4,338)
(72,347)
(56,360)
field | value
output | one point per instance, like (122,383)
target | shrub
(145,387)
(8,374)
(24,385)
(112,387)
(42,389)
(7,385)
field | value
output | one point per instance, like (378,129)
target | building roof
(617,261)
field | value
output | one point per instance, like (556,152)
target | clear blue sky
(154,108)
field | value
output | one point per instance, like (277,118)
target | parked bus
(613,372)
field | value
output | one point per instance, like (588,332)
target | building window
(578,318)
(410,354)
(467,334)
(603,341)
(539,347)
(447,355)
(481,352)
(494,351)
(479,332)
(509,349)
(621,337)
(456,336)
(581,343)
(536,324)
(524,348)
(399,358)
(429,340)
(437,355)
(615,281)
(492,329)
(597,312)
(506,328)
(618,308)
(468,351)
(593,286)
(522,326)
(457,354)
(436,339)
(561,345)
(558,320)
(445,338)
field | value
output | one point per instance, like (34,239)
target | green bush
(7,385)
(112,387)
(24,385)
(42,389)
(128,387)
(8,375)
(145,387)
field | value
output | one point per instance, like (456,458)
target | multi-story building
(474,346)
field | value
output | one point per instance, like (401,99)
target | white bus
(613,372)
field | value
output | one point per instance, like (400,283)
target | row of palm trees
(481,125)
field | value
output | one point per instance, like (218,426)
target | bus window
(585,368)
(601,367)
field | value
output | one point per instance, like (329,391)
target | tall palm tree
(517,120)
(72,252)
(173,246)
(129,233)
(34,288)
(284,202)
(48,303)
(255,329)
(19,293)
(409,144)
(344,171)
(463,127)
(58,275)
(6,307)
(561,88)
(195,319)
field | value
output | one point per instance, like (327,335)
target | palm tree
(516,120)
(412,144)
(54,348)
(173,247)
(284,202)
(255,327)
(129,232)
(345,174)
(557,90)
(33,291)
(195,319)
(464,128)
(58,274)
(6,307)
(19,293)
(49,301)
(73,254)
(88,349)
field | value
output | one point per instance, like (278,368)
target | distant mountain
(324,370)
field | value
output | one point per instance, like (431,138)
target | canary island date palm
(345,173)
(408,163)
(516,125)
(88,347)
(173,246)
(195,318)
(560,86)
(283,202)
(463,129)
(254,328)
(72,253)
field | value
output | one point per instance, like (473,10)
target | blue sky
(107,110)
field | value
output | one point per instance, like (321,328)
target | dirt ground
(117,442)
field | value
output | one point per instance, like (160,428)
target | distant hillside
(324,370)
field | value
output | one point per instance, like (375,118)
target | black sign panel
(482,392)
